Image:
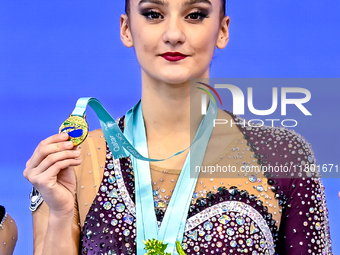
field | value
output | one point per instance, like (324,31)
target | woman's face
(162,31)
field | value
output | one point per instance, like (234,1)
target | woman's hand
(51,173)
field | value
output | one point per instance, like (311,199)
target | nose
(174,31)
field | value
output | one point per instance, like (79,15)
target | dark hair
(222,14)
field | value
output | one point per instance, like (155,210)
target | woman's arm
(304,226)
(8,234)
(50,170)
(50,232)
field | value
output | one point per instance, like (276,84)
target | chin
(176,80)
(177,77)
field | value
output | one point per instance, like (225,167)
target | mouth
(173,56)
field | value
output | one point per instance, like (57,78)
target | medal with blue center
(76,127)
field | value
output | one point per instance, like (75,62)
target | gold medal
(76,127)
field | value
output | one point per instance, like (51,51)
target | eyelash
(202,15)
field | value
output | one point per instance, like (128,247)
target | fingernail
(64,135)
(77,153)
(68,143)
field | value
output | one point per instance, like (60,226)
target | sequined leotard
(251,214)
(246,213)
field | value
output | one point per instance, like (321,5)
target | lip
(173,56)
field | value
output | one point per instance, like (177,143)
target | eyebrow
(190,2)
(160,2)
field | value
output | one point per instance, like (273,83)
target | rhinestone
(249,242)
(253,229)
(113,193)
(240,220)
(88,234)
(310,158)
(128,219)
(262,243)
(207,225)
(195,195)
(111,179)
(252,178)
(126,232)
(260,188)
(230,231)
(193,235)
(120,207)
(114,222)
(159,203)
(208,238)
(233,243)
(317,226)
(107,205)
(224,219)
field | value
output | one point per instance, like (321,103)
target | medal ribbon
(173,224)
(114,137)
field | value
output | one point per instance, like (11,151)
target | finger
(48,146)
(43,180)
(54,170)
(54,158)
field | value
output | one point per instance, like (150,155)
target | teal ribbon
(114,137)
(134,141)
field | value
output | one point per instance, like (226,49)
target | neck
(166,109)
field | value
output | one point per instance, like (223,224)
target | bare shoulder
(8,234)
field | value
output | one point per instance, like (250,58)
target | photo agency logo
(238,99)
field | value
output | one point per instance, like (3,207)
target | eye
(198,15)
(151,15)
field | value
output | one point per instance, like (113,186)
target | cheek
(145,46)
(205,41)
(204,46)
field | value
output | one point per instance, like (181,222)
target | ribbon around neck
(134,142)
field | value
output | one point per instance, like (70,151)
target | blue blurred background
(53,52)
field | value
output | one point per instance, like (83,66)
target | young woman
(91,200)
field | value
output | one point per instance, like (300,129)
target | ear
(223,37)
(125,32)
